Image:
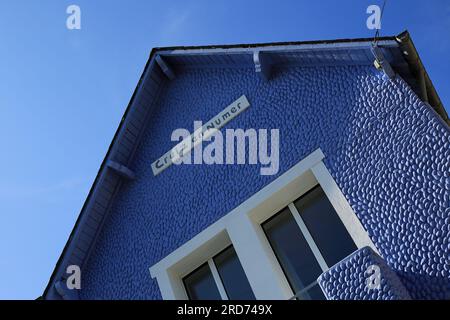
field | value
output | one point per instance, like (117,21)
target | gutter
(428,93)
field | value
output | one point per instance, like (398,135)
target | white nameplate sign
(182,148)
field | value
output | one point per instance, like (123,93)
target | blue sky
(63,93)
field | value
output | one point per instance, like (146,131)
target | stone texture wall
(352,279)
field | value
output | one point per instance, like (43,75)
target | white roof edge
(275,48)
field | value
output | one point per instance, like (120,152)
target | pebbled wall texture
(347,280)
(388,152)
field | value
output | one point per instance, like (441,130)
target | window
(327,230)
(232,276)
(222,277)
(286,235)
(307,238)
(200,284)
(293,252)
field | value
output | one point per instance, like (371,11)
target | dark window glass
(293,253)
(200,285)
(313,293)
(325,226)
(233,276)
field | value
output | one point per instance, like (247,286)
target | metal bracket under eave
(381,63)
(165,67)
(121,170)
(262,64)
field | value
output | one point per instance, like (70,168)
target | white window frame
(242,228)
(217,279)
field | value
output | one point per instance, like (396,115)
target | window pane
(312,293)
(232,275)
(325,226)
(292,251)
(200,285)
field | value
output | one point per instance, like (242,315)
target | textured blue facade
(388,152)
(347,280)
